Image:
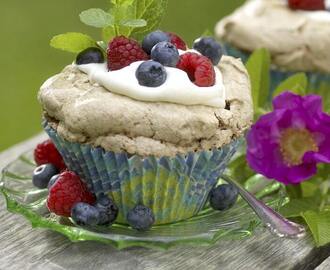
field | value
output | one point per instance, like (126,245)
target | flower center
(294,143)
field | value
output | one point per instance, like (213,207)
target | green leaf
(239,169)
(151,11)
(258,67)
(296,83)
(72,42)
(296,207)
(133,23)
(96,17)
(324,92)
(319,224)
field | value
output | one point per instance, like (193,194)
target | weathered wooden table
(25,248)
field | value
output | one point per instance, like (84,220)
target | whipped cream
(253,7)
(176,89)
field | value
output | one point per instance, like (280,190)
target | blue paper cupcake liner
(315,80)
(175,188)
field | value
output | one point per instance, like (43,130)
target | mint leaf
(72,42)
(96,17)
(319,224)
(258,67)
(133,23)
(296,83)
(150,10)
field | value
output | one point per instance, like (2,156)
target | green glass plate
(206,228)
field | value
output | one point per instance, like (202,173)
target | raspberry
(66,192)
(177,41)
(307,4)
(123,51)
(199,69)
(46,152)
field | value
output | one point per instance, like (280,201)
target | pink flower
(287,144)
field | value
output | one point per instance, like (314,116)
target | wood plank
(324,266)
(25,248)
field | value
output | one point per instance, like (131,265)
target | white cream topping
(253,7)
(176,89)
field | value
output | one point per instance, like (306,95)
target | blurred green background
(27,60)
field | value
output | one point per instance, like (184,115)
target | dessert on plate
(296,32)
(145,130)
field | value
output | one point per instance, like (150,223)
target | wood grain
(25,248)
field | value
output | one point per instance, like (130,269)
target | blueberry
(140,218)
(152,39)
(90,55)
(151,74)
(52,181)
(43,174)
(223,197)
(210,48)
(108,210)
(85,214)
(165,53)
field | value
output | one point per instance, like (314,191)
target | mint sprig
(130,18)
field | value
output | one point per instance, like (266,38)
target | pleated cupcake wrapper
(175,188)
(315,80)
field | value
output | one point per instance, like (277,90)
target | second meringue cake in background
(297,34)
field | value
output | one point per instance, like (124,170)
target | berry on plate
(85,214)
(199,69)
(43,174)
(177,41)
(152,39)
(67,191)
(307,4)
(165,53)
(46,152)
(151,74)
(210,48)
(140,218)
(90,55)
(223,197)
(123,51)
(108,210)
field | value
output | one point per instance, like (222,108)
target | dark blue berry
(52,181)
(140,218)
(223,197)
(90,55)
(165,53)
(210,48)
(152,39)
(108,210)
(85,214)
(151,74)
(43,174)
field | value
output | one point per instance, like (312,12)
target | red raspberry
(177,41)
(307,4)
(199,68)
(66,192)
(123,51)
(46,152)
